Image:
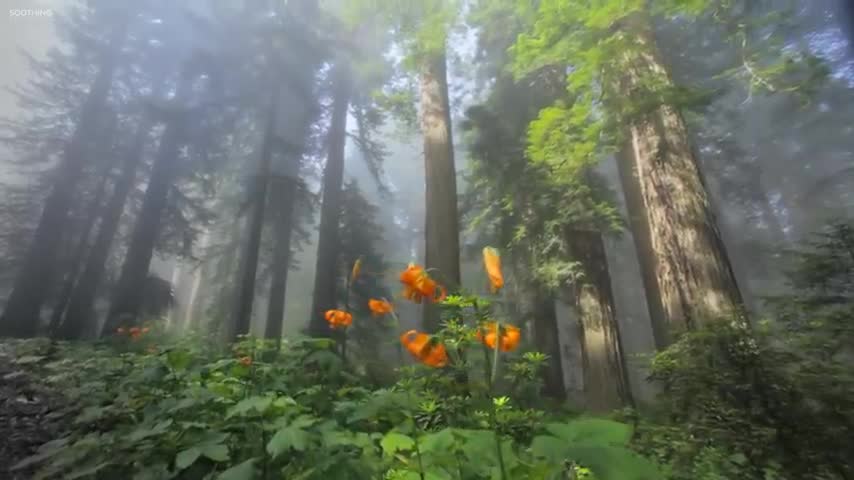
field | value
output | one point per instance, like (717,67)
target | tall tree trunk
(605,382)
(694,277)
(126,301)
(21,316)
(241,318)
(547,340)
(190,314)
(283,200)
(643,246)
(442,247)
(330,210)
(79,256)
(79,316)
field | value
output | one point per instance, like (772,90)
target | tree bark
(79,315)
(647,259)
(126,299)
(330,210)
(79,256)
(241,318)
(547,340)
(283,200)
(692,271)
(21,317)
(605,383)
(442,246)
(190,313)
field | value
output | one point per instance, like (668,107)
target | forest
(429,240)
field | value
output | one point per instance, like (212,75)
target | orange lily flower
(424,348)
(492,263)
(339,318)
(417,285)
(357,267)
(379,307)
(510,336)
(245,361)
(145,330)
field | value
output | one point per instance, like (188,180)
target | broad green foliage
(772,403)
(514,198)
(598,42)
(179,410)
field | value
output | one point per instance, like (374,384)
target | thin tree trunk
(227,268)
(79,315)
(605,382)
(442,246)
(330,211)
(547,340)
(174,280)
(198,275)
(694,277)
(21,317)
(283,200)
(79,256)
(126,299)
(241,318)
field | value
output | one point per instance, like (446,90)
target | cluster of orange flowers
(339,318)
(133,332)
(510,336)
(419,286)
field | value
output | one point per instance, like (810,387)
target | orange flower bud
(492,264)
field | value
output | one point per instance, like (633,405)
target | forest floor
(30,413)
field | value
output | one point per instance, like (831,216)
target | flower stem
(417,446)
(490,373)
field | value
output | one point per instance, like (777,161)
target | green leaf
(187,457)
(393,442)
(287,438)
(606,462)
(28,359)
(217,453)
(34,459)
(90,415)
(440,442)
(85,471)
(178,359)
(243,471)
(45,451)
(592,431)
(259,404)
(142,433)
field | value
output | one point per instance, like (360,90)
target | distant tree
(423,33)
(361,238)
(288,77)
(354,75)
(21,316)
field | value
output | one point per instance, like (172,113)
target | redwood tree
(21,316)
